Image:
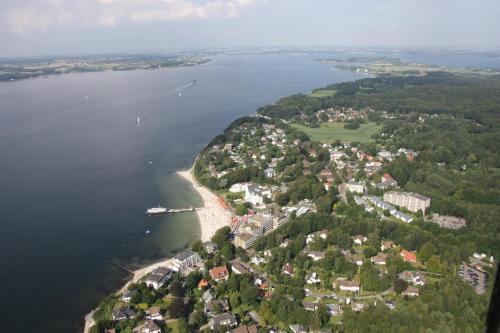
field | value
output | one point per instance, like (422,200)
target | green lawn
(329,132)
(173,326)
(323,93)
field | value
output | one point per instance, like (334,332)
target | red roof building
(408,256)
(219,273)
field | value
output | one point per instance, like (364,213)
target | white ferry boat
(157,210)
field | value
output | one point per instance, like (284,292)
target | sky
(59,27)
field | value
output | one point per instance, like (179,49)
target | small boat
(147,231)
(157,210)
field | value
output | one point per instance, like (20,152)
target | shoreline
(211,217)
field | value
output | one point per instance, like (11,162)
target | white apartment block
(414,202)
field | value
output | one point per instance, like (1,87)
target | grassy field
(329,132)
(323,93)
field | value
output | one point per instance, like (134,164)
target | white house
(185,259)
(356,187)
(312,278)
(359,239)
(255,194)
(346,285)
(148,327)
(269,173)
(158,277)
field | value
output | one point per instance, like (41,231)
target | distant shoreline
(211,217)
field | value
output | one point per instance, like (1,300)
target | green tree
(400,286)
(426,251)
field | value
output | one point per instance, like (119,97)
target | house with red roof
(408,256)
(219,273)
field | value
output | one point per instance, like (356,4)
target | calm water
(75,176)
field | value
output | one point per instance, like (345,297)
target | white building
(414,202)
(185,259)
(269,173)
(255,194)
(356,187)
(346,285)
(158,277)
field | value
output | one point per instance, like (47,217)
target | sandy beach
(212,216)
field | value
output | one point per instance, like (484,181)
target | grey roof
(228,316)
(184,255)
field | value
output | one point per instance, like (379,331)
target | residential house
(412,277)
(355,258)
(390,304)
(270,173)
(359,239)
(388,180)
(257,260)
(379,259)
(109,330)
(256,194)
(287,269)
(411,291)
(355,306)
(210,247)
(356,187)
(227,320)
(334,309)
(158,277)
(154,313)
(386,245)
(128,295)
(123,313)
(219,273)
(315,256)
(202,284)
(312,278)
(408,256)
(208,295)
(215,307)
(186,259)
(148,327)
(239,268)
(346,285)
(310,306)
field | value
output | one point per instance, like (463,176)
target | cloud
(40,15)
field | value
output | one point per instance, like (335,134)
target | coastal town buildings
(226,320)
(149,326)
(356,187)
(414,202)
(158,277)
(244,240)
(346,285)
(219,273)
(185,259)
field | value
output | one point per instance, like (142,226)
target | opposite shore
(212,216)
